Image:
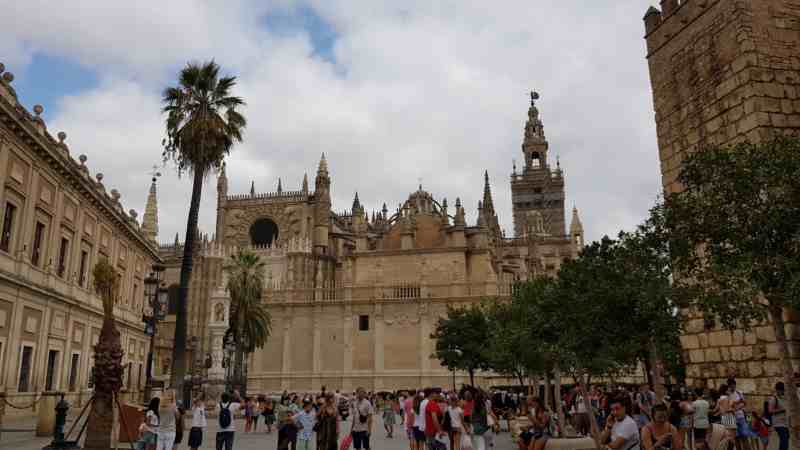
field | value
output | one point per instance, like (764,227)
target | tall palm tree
(202,125)
(108,370)
(250,321)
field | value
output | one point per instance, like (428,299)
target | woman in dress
(327,427)
(388,415)
(269,414)
(456,422)
(150,432)
(198,423)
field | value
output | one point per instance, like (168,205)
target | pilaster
(347,321)
(287,349)
(377,346)
(317,349)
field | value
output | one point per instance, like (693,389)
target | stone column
(347,335)
(424,344)
(316,362)
(287,349)
(377,345)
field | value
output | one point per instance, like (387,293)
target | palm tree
(249,321)
(202,125)
(108,370)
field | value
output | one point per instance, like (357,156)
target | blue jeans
(783,437)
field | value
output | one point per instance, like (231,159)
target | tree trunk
(521,380)
(792,401)
(547,391)
(588,405)
(562,419)
(658,377)
(107,383)
(648,369)
(471,377)
(179,344)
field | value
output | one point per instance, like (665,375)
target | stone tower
(722,72)
(322,207)
(150,219)
(538,190)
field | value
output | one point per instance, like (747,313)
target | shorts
(195,437)
(700,434)
(419,435)
(149,438)
(743,429)
(410,434)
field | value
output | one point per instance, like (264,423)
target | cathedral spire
(534,145)
(280,188)
(575,227)
(305,183)
(488,204)
(356,204)
(323,166)
(252,188)
(150,219)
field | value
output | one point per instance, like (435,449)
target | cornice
(21,123)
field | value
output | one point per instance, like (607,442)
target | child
(761,427)
(198,423)
(305,421)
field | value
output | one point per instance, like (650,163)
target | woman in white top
(150,430)
(198,423)
(167,422)
(456,422)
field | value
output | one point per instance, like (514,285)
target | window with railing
(38,239)
(8,224)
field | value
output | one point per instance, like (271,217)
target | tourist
(249,412)
(660,434)
(639,417)
(479,420)
(743,431)
(401,403)
(361,427)
(305,421)
(167,415)
(620,432)
(777,411)
(150,432)
(645,399)
(433,421)
(198,423)
(226,412)
(456,414)
(268,411)
(178,426)
(685,415)
(287,430)
(700,420)
(389,416)
(328,424)
(411,402)
(540,424)
(724,409)
(582,419)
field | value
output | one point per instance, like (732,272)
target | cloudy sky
(393,92)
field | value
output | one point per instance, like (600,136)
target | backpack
(224,415)
(447,423)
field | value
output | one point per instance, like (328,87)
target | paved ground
(243,441)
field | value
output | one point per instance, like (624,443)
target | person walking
(701,422)
(167,415)
(268,411)
(179,413)
(777,409)
(328,424)
(361,427)
(433,423)
(305,421)
(456,414)
(150,430)
(389,416)
(226,412)
(287,430)
(198,423)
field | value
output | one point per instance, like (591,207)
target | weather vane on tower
(534,97)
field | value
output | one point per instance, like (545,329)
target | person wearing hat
(305,421)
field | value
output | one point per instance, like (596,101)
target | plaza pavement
(243,441)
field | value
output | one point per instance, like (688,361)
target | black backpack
(224,415)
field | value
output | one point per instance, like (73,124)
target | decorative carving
(289,219)
(31,324)
(219,312)
(401,320)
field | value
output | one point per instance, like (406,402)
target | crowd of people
(627,418)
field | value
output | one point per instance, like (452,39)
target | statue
(534,97)
(219,312)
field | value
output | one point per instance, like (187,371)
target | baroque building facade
(355,297)
(57,222)
(723,72)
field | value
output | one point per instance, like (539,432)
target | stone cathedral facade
(355,297)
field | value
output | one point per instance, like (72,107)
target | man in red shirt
(433,422)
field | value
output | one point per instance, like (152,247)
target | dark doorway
(263,232)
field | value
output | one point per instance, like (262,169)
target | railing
(269,195)
(402,292)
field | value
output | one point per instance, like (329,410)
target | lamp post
(154,296)
(229,345)
(457,352)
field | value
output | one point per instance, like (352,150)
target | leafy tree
(108,353)
(509,343)
(250,321)
(461,340)
(735,236)
(202,125)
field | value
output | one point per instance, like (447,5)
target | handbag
(346,442)
(466,442)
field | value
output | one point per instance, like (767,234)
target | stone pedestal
(217,326)
(47,414)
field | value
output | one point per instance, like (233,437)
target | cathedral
(355,297)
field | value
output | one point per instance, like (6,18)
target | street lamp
(229,344)
(152,292)
(459,353)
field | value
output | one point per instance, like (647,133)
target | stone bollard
(47,414)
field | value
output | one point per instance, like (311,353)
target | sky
(395,93)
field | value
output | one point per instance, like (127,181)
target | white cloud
(430,90)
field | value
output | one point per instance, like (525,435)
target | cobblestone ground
(260,440)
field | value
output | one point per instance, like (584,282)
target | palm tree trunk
(179,344)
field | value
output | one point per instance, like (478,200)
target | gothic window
(263,232)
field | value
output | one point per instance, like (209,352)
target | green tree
(735,238)
(202,124)
(461,340)
(249,320)
(108,370)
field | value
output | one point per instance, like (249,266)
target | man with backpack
(226,412)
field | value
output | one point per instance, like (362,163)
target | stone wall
(722,72)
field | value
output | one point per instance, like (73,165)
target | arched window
(536,161)
(263,232)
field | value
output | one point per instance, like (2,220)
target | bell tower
(538,188)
